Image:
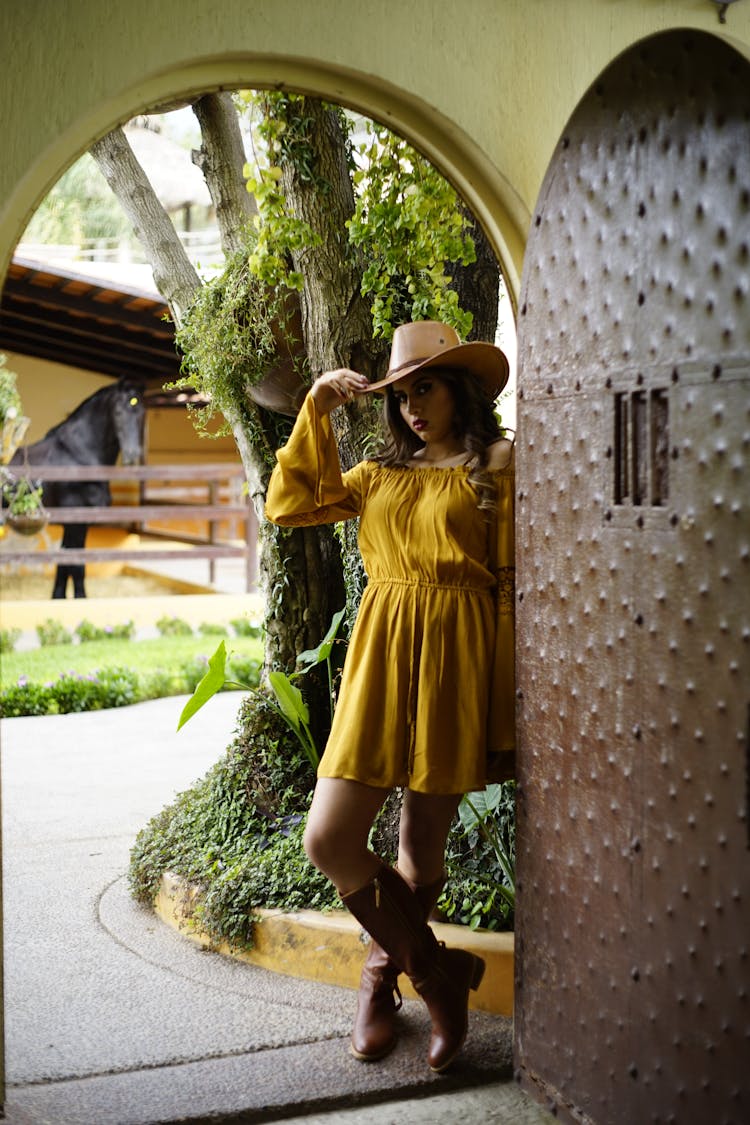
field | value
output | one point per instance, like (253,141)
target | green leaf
(476,807)
(213,681)
(290,700)
(313,656)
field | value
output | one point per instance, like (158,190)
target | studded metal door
(633,937)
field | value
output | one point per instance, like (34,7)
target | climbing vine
(229,339)
(409,222)
(280,132)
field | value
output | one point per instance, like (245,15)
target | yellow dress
(427,689)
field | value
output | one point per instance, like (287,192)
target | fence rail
(208,476)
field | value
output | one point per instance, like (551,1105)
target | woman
(427,687)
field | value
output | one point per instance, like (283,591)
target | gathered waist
(428,584)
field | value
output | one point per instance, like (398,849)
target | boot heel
(477,973)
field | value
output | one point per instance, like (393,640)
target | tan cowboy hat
(429,344)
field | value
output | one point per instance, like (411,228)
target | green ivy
(409,223)
(228,339)
(235,836)
(280,127)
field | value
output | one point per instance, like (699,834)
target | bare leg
(338,827)
(424,828)
(393,911)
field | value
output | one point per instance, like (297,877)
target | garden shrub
(244,669)
(244,627)
(236,834)
(174,627)
(471,896)
(193,671)
(9,639)
(111,687)
(108,687)
(87,631)
(51,632)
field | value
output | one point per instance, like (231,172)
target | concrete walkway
(111,1016)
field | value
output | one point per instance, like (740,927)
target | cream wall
(484,87)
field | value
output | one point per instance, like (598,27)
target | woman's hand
(334,388)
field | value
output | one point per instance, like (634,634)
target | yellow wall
(484,87)
(171,439)
(50,391)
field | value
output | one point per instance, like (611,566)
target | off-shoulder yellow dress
(427,687)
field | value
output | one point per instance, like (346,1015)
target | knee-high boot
(374,1031)
(391,914)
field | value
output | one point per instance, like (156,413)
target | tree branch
(221,159)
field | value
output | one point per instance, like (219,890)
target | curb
(329,947)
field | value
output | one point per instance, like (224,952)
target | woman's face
(427,406)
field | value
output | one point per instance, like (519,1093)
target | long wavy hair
(475,426)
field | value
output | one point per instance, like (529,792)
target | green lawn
(41,665)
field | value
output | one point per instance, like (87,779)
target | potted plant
(13,423)
(23,497)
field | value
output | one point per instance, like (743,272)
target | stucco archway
(489,195)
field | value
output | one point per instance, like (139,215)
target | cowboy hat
(428,344)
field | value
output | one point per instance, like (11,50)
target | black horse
(108,423)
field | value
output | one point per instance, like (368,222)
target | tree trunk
(336,319)
(221,159)
(478,284)
(174,274)
(300,569)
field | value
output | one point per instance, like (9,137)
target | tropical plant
(485,813)
(288,701)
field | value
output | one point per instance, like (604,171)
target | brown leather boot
(374,1031)
(390,912)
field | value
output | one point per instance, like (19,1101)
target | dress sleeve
(501,734)
(307,486)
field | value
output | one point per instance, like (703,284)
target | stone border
(329,947)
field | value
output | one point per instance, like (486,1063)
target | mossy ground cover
(236,834)
(235,837)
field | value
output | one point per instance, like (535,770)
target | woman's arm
(307,486)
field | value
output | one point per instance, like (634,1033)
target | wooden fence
(134,516)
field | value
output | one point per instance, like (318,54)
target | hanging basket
(282,389)
(30,524)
